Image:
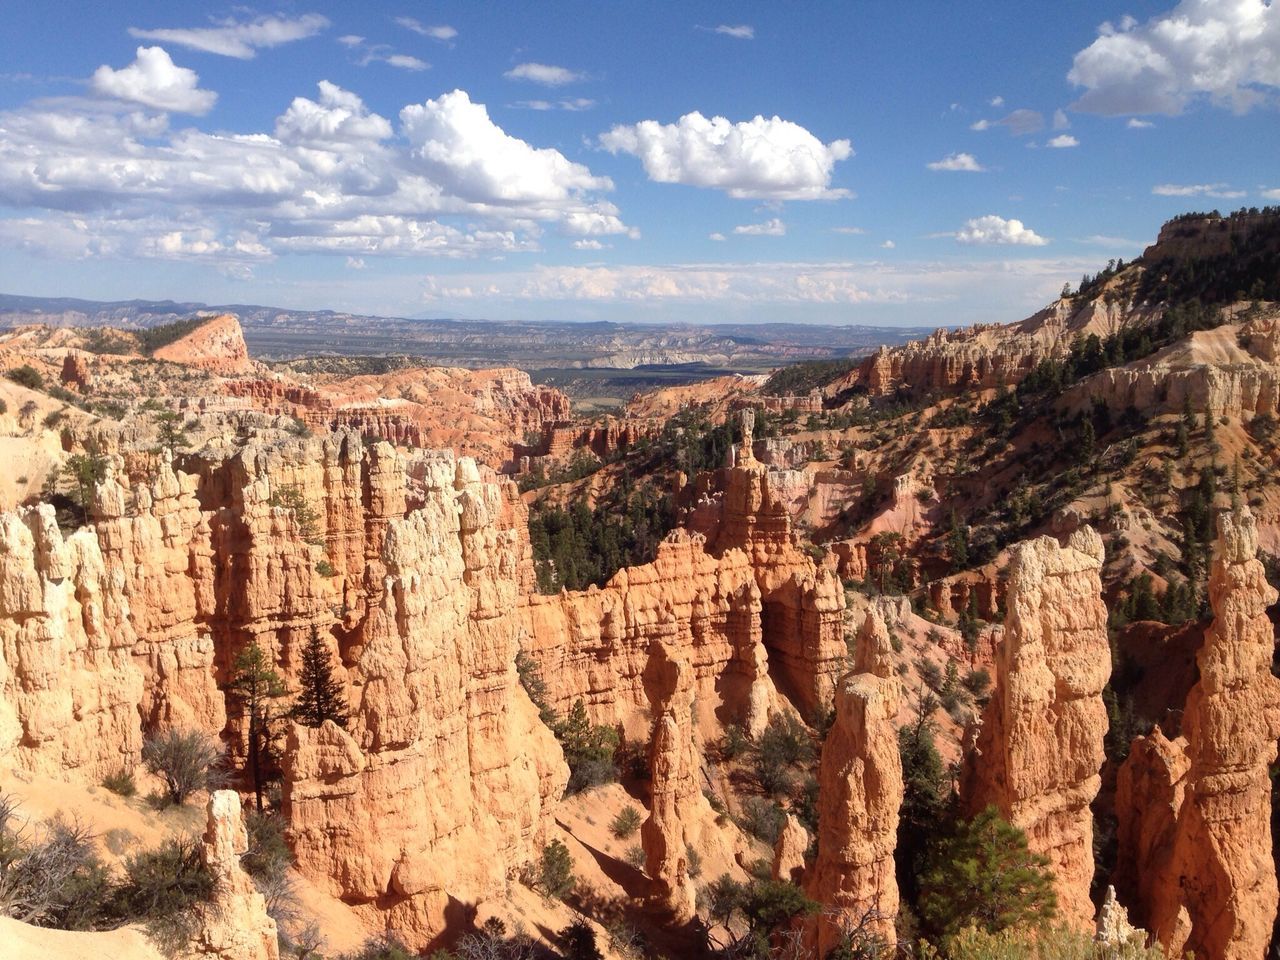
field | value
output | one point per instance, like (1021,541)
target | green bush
(589,749)
(626,822)
(26,376)
(121,783)
(553,876)
(385,947)
(162,888)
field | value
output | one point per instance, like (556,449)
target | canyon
(978,538)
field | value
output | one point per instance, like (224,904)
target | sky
(867,162)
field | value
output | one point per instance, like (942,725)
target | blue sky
(871,162)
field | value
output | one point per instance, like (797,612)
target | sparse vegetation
(26,376)
(187,761)
(121,782)
(626,822)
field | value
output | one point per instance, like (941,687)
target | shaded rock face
(673,766)
(1195,812)
(859,796)
(1040,747)
(753,612)
(236,925)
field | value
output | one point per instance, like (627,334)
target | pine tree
(256,687)
(321,696)
(985,876)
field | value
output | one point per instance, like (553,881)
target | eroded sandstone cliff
(1195,812)
(1040,747)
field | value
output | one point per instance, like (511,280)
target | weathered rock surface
(860,792)
(1040,748)
(235,926)
(445,755)
(789,852)
(216,345)
(674,790)
(1195,812)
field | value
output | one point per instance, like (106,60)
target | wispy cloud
(1219,191)
(576,105)
(740,31)
(442,33)
(238,38)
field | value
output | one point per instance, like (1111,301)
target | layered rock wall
(445,755)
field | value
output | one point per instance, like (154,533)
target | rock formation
(789,851)
(445,755)
(1195,812)
(216,345)
(673,785)
(860,792)
(1040,748)
(235,926)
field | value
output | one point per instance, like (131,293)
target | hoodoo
(860,793)
(1195,812)
(1040,748)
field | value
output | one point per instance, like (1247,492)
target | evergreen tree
(984,876)
(257,688)
(321,696)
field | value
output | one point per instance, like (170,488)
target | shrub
(1036,943)
(187,760)
(385,947)
(52,419)
(580,942)
(589,749)
(763,819)
(635,856)
(554,877)
(163,888)
(54,880)
(984,876)
(118,840)
(121,783)
(626,822)
(26,376)
(325,568)
(694,860)
(978,682)
(4,408)
(783,743)
(735,742)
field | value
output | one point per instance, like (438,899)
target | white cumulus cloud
(1063,140)
(770,228)
(338,117)
(153,80)
(1225,51)
(239,38)
(772,159)
(472,156)
(545,74)
(962,162)
(997,230)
